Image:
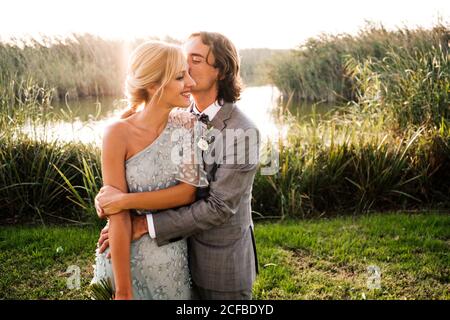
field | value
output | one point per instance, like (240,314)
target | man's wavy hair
(228,63)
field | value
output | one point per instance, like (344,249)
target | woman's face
(177,93)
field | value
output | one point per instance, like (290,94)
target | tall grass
(42,180)
(347,163)
(84,65)
(317,70)
(342,165)
(80,65)
(389,148)
(409,86)
(255,64)
(32,183)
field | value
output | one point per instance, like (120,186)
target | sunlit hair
(227,61)
(153,62)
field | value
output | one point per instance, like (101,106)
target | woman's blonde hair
(153,62)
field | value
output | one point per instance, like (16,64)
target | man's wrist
(144,224)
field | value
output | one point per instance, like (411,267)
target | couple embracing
(179,229)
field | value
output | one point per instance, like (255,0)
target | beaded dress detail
(160,272)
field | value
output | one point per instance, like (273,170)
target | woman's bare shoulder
(116,130)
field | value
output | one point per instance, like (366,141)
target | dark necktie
(201,117)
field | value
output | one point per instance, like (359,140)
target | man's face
(201,70)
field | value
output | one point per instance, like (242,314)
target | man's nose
(192,83)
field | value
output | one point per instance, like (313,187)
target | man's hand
(139,228)
(108,201)
(103,241)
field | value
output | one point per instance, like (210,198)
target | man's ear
(220,76)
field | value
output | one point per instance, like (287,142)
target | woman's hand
(109,200)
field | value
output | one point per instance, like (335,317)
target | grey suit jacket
(222,252)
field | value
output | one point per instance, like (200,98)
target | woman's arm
(109,201)
(113,200)
(113,171)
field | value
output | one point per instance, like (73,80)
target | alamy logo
(229,147)
(73,281)
(374,277)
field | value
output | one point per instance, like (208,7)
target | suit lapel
(219,121)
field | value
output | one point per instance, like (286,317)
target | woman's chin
(185,105)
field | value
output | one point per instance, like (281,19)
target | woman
(137,157)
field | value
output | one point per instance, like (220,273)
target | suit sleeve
(230,184)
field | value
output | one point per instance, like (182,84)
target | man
(222,251)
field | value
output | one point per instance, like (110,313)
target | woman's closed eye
(181,76)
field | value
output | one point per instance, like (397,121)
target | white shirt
(211,112)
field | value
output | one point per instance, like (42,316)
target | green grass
(314,259)
(32,267)
(328,259)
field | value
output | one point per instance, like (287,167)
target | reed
(411,87)
(42,180)
(78,66)
(342,165)
(84,65)
(347,163)
(317,69)
(388,149)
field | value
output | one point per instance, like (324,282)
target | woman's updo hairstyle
(153,62)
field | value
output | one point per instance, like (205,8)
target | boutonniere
(203,143)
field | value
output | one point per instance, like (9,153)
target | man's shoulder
(239,120)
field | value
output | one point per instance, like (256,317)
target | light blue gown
(160,272)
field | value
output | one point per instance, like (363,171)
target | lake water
(88,118)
